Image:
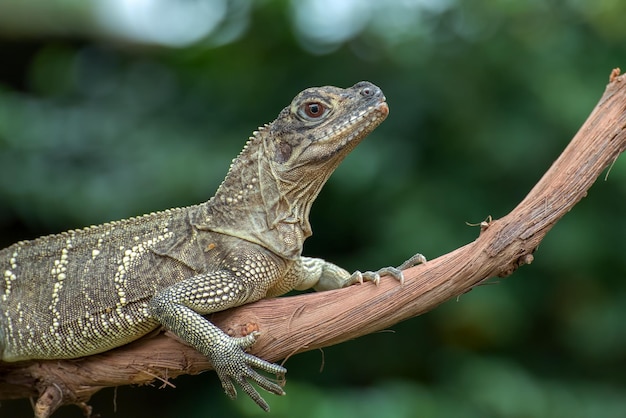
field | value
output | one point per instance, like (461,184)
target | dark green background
(484,95)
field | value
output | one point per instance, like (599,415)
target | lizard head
(321,126)
(268,192)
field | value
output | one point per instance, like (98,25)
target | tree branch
(305,322)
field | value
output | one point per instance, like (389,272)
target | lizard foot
(395,272)
(374,276)
(233,364)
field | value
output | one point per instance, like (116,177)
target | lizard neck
(254,203)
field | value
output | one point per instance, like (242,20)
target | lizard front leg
(179,308)
(321,275)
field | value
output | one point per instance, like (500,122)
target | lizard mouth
(363,123)
(383,107)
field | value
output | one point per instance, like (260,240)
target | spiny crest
(244,159)
(252,141)
(122,223)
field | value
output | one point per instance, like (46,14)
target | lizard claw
(235,365)
(356,277)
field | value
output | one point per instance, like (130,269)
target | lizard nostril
(367,89)
(370,90)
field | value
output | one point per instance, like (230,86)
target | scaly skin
(86,291)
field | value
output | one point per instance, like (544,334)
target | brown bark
(295,324)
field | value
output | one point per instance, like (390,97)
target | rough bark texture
(300,323)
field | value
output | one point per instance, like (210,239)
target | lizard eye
(314,109)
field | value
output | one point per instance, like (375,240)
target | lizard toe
(264,383)
(413,261)
(247,341)
(393,272)
(372,276)
(253,394)
(228,386)
(356,277)
(267,366)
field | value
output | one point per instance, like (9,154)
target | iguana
(87,291)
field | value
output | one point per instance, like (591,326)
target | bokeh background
(115,108)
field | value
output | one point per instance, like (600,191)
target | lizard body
(87,291)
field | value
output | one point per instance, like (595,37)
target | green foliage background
(96,125)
